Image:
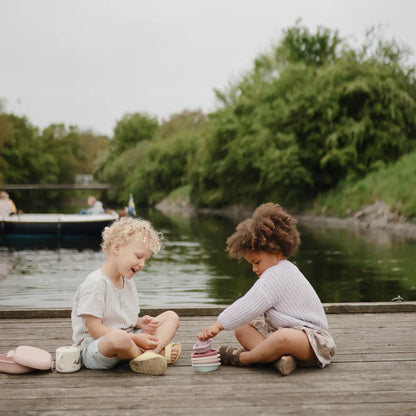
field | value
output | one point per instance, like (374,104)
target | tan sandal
(168,352)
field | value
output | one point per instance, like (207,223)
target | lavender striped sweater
(283,295)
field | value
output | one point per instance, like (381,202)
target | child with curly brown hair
(280,320)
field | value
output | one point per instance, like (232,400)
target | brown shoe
(285,365)
(231,355)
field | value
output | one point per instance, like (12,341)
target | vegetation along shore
(322,127)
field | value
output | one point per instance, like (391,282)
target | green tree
(132,135)
(299,45)
(310,114)
(4,134)
(132,129)
(22,157)
(167,158)
(92,150)
(61,146)
(157,162)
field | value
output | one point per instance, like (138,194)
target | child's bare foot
(145,341)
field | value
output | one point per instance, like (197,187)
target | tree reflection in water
(193,267)
(342,265)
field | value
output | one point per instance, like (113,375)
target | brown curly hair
(270,229)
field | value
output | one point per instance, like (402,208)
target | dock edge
(211,310)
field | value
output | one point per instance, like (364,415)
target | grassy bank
(394,184)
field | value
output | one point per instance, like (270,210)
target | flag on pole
(132,207)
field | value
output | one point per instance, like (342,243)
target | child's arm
(147,324)
(95,326)
(97,330)
(210,331)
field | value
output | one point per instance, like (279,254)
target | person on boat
(94,206)
(280,320)
(7,206)
(105,314)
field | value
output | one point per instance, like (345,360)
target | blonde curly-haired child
(105,314)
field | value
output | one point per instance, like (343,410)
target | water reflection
(193,267)
(344,265)
(356,265)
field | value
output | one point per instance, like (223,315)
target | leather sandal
(231,355)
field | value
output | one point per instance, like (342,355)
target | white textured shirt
(97,296)
(283,295)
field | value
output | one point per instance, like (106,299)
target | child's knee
(174,317)
(291,339)
(238,332)
(117,339)
(171,317)
(242,330)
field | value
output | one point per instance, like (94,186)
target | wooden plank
(370,307)
(382,409)
(199,311)
(372,374)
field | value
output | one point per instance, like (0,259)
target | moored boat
(55,224)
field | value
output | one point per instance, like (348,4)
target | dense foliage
(157,162)
(312,113)
(54,155)
(309,115)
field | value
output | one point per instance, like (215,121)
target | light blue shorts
(93,359)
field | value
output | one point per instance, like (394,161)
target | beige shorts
(321,340)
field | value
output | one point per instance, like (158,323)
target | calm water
(193,268)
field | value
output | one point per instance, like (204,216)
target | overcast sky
(89,62)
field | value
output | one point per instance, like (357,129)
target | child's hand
(149,324)
(210,331)
(145,341)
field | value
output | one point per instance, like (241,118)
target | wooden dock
(374,372)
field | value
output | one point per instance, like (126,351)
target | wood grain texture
(374,373)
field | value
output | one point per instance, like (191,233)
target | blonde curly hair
(125,229)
